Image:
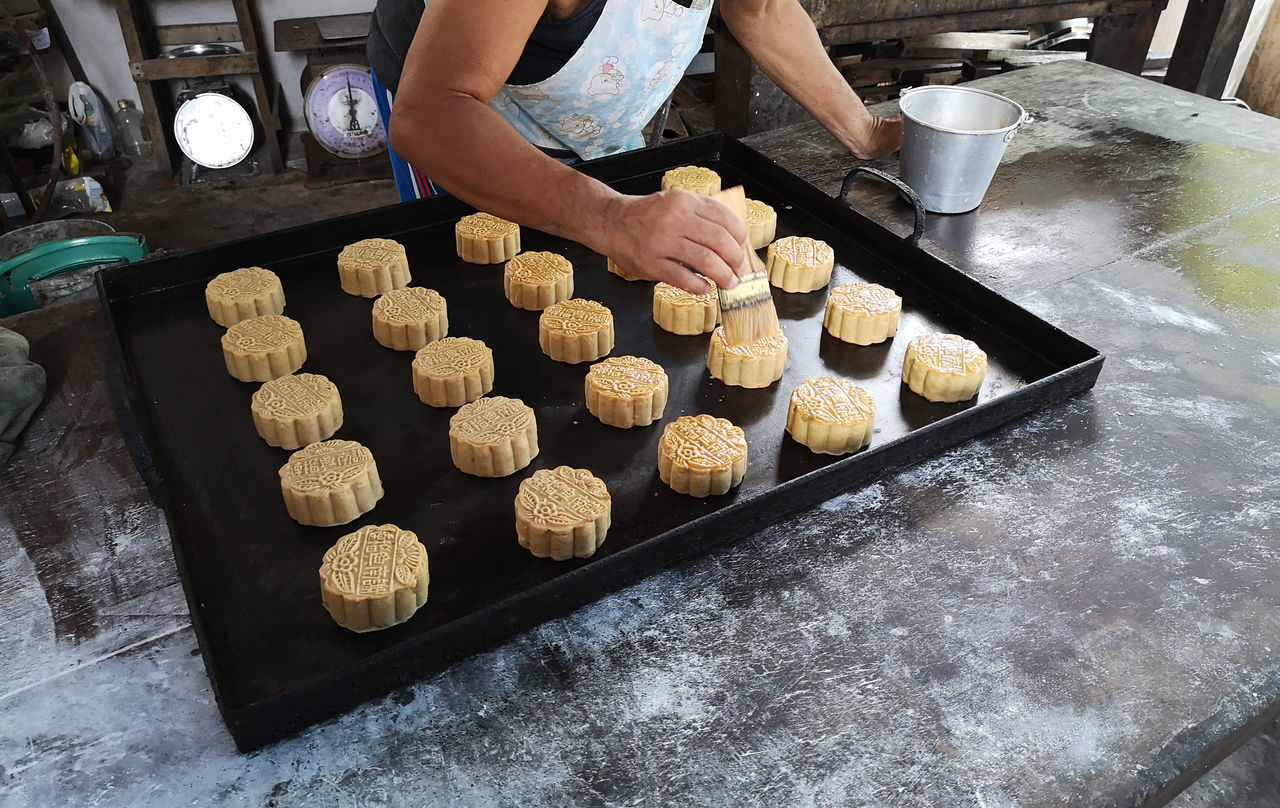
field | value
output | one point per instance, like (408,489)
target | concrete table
(1082,608)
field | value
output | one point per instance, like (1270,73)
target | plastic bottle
(131,130)
(86,110)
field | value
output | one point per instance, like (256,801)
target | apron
(605,94)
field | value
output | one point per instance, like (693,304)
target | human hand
(881,136)
(675,236)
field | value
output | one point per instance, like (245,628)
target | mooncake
(452,371)
(373,267)
(679,312)
(493,436)
(330,483)
(292,411)
(261,348)
(562,513)
(762,224)
(700,180)
(756,364)
(374,578)
(626,391)
(407,319)
(620,272)
(243,293)
(576,330)
(485,239)
(799,263)
(831,416)
(702,455)
(535,280)
(944,367)
(862,313)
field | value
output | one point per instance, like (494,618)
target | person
(483,96)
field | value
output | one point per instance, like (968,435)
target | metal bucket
(952,141)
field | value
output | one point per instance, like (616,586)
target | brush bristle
(747,310)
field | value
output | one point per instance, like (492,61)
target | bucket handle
(912,196)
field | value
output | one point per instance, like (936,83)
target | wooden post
(136,48)
(1122,40)
(1207,45)
(263,86)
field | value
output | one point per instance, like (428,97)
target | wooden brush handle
(735,199)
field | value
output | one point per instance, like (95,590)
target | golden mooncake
(261,348)
(535,280)
(862,313)
(756,364)
(831,416)
(373,267)
(452,371)
(576,330)
(700,180)
(944,367)
(762,224)
(374,578)
(485,239)
(293,411)
(407,319)
(626,391)
(679,312)
(800,263)
(243,293)
(493,436)
(702,455)
(562,513)
(330,483)
(620,272)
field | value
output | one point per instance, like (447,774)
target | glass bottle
(131,129)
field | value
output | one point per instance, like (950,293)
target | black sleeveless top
(550,45)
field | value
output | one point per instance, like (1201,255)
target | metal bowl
(202,49)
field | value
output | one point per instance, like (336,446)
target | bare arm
(460,57)
(781,38)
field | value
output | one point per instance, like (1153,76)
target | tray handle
(912,196)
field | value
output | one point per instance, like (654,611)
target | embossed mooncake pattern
(452,371)
(831,416)
(757,364)
(762,224)
(862,313)
(702,455)
(800,263)
(243,293)
(292,411)
(562,513)
(493,436)
(374,578)
(483,238)
(944,367)
(576,330)
(373,267)
(535,280)
(700,180)
(261,348)
(679,312)
(407,319)
(330,483)
(626,391)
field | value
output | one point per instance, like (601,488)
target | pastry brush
(746,311)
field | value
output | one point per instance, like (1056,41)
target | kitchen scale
(342,113)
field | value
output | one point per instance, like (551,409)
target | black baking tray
(278,663)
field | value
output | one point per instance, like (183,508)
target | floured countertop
(1070,611)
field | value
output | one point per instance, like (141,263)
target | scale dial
(213,130)
(342,113)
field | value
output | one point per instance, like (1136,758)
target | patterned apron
(600,100)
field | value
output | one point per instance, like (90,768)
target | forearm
(781,38)
(471,151)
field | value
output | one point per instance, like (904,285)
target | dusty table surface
(1081,608)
